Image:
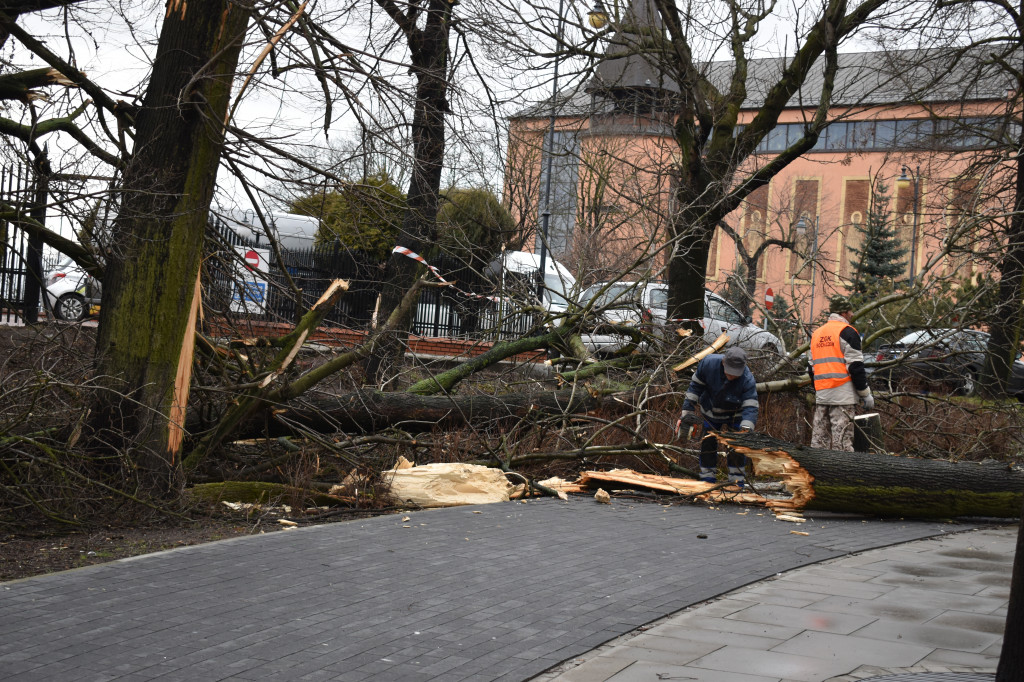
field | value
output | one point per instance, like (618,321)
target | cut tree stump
(883,485)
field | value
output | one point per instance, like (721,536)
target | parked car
(71,292)
(645,305)
(935,358)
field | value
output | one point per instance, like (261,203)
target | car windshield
(616,295)
(945,337)
(720,310)
(659,298)
(555,289)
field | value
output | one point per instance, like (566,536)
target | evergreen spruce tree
(878,262)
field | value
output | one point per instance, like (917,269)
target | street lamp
(801,229)
(598,19)
(916,179)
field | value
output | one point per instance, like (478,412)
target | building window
(565,162)
(964,133)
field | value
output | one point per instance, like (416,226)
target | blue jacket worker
(722,394)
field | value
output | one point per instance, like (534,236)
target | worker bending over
(722,395)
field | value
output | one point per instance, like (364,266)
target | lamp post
(916,179)
(801,229)
(598,19)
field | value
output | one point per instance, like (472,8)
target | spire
(631,61)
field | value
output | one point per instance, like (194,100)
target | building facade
(912,157)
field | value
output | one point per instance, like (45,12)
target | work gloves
(868,402)
(688,418)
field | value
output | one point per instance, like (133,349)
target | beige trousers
(833,427)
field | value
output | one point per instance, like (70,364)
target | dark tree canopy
(362,215)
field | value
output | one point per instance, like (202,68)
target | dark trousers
(709,450)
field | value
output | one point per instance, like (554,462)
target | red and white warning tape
(437,273)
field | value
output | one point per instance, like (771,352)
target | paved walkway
(932,606)
(495,592)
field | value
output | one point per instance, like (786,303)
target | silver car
(645,306)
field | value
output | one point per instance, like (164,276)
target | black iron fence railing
(282,288)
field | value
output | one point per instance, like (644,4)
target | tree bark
(158,234)
(1011,659)
(429,48)
(258,492)
(884,485)
(1008,317)
(369,411)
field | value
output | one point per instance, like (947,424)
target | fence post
(34,257)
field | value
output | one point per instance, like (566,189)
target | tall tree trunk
(1011,659)
(419,229)
(692,230)
(1007,318)
(157,237)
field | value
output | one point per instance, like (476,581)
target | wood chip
(798,532)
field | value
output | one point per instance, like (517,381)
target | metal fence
(275,293)
(290,281)
(21,269)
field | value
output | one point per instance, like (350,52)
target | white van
(293,232)
(523,266)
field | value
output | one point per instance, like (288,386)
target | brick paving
(492,592)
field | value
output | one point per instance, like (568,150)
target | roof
(624,64)
(864,79)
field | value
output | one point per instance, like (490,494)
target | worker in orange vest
(837,367)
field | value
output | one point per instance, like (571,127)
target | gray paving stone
(935,636)
(716,637)
(773,664)
(993,625)
(879,608)
(947,657)
(315,602)
(802,619)
(857,649)
(680,653)
(646,672)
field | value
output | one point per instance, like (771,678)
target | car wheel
(70,307)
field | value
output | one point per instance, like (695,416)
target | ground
(23,555)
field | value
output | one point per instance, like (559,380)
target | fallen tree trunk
(884,485)
(257,492)
(367,411)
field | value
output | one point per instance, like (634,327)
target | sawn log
(880,484)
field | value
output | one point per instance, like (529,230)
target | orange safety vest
(827,357)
